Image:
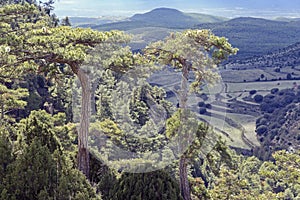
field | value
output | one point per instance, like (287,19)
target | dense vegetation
(278,127)
(255,36)
(41,156)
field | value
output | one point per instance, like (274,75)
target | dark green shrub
(269,98)
(261,121)
(274,90)
(258,98)
(146,186)
(261,130)
(251,92)
(204,96)
(208,106)
(201,104)
(202,110)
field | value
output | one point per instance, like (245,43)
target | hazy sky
(228,8)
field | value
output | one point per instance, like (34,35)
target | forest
(80,120)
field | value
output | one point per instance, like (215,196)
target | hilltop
(162,17)
(253,36)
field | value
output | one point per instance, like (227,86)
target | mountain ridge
(162,17)
(253,36)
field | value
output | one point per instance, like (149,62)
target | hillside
(162,17)
(255,36)
(278,127)
(288,56)
(143,36)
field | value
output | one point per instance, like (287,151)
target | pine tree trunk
(184,182)
(83,152)
(183,172)
(2,112)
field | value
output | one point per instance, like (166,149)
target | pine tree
(11,100)
(153,185)
(66,22)
(6,158)
(197,51)
(34,44)
(34,172)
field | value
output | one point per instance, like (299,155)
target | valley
(268,58)
(161,105)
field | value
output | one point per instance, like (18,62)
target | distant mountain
(253,36)
(162,17)
(256,36)
(93,21)
(172,18)
(287,19)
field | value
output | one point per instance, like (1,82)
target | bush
(273,133)
(268,107)
(261,121)
(261,130)
(281,121)
(258,98)
(208,106)
(251,92)
(146,186)
(274,90)
(269,98)
(201,104)
(288,99)
(202,110)
(267,116)
(204,97)
(274,125)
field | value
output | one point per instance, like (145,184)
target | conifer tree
(31,43)
(153,185)
(11,100)
(6,158)
(197,51)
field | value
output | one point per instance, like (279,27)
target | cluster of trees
(250,178)
(33,44)
(275,128)
(283,57)
(37,160)
(45,156)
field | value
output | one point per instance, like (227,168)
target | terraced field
(230,108)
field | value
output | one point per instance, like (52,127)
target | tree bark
(183,172)
(2,110)
(2,113)
(184,182)
(83,152)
